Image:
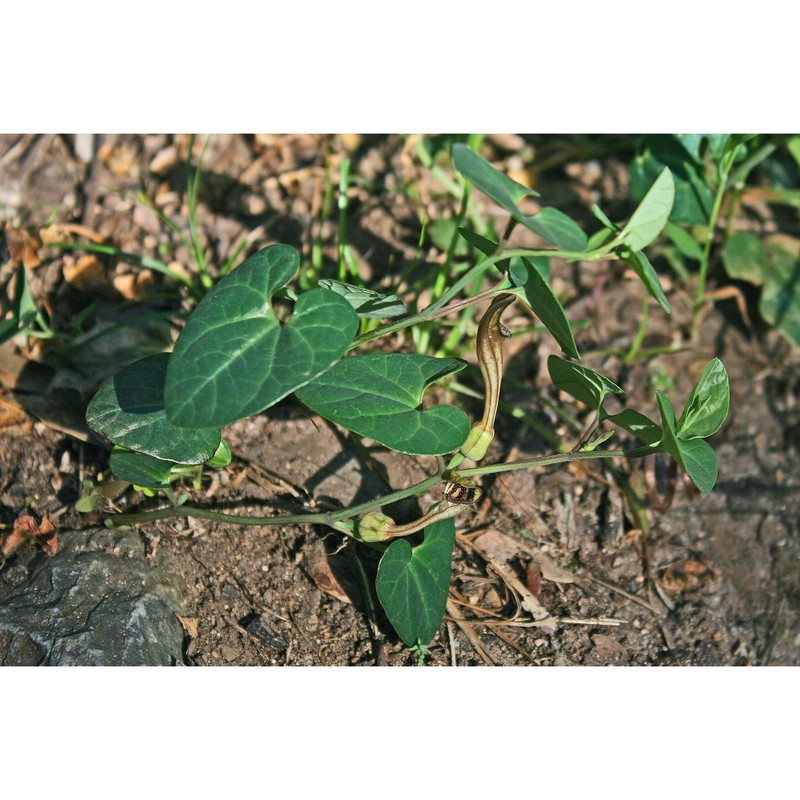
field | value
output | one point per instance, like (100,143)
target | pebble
(164,161)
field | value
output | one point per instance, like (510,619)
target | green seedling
(710,173)
(236,358)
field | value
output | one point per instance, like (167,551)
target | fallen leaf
(23,246)
(189,625)
(86,274)
(533,579)
(133,285)
(63,232)
(688,574)
(10,412)
(26,526)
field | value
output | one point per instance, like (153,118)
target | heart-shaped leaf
(377,395)
(582,383)
(412,583)
(651,216)
(234,358)
(129,410)
(707,406)
(549,223)
(537,293)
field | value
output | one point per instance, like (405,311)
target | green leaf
(582,383)
(693,198)
(610,226)
(640,264)
(140,469)
(695,455)
(700,463)
(652,214)
(128,409)
(234,359)
(377,395)
(549,223)
(707,406)
(367,303)
(780,297)
(556,227)
(222,457)
(537,293)
(686,243)
(493,183)
(669,437)
(639,425)
(745,258)
(412,583)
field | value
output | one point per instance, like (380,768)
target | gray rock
(97,602)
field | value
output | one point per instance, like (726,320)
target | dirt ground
(550,568)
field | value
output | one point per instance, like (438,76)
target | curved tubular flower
(489,348)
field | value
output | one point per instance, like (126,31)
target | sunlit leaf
(234,358)
(378,394)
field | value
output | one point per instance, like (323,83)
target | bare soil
(550,568)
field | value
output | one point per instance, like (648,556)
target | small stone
(253,204)
(228,653)
(164,161)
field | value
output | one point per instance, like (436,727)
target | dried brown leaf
(134,285)
(189,625)
(86,274)
(23,246)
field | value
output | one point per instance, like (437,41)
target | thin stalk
(636,345)
(440,307)
(344,181)
(444,271)
(335,519)
(192,195)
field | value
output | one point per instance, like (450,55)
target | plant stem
(331,519)
(442,306)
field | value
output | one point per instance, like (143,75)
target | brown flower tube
(489,347)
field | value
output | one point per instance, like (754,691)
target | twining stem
(443,305)
(335,518)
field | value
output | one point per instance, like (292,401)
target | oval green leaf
(745,258)
(549,223)
(652,214)
(536,292)
(234,359)
(412,583)
(377,395)
(641,265)
(582,383)
(493,183)
(128,409)
(700,462)
(708,404)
